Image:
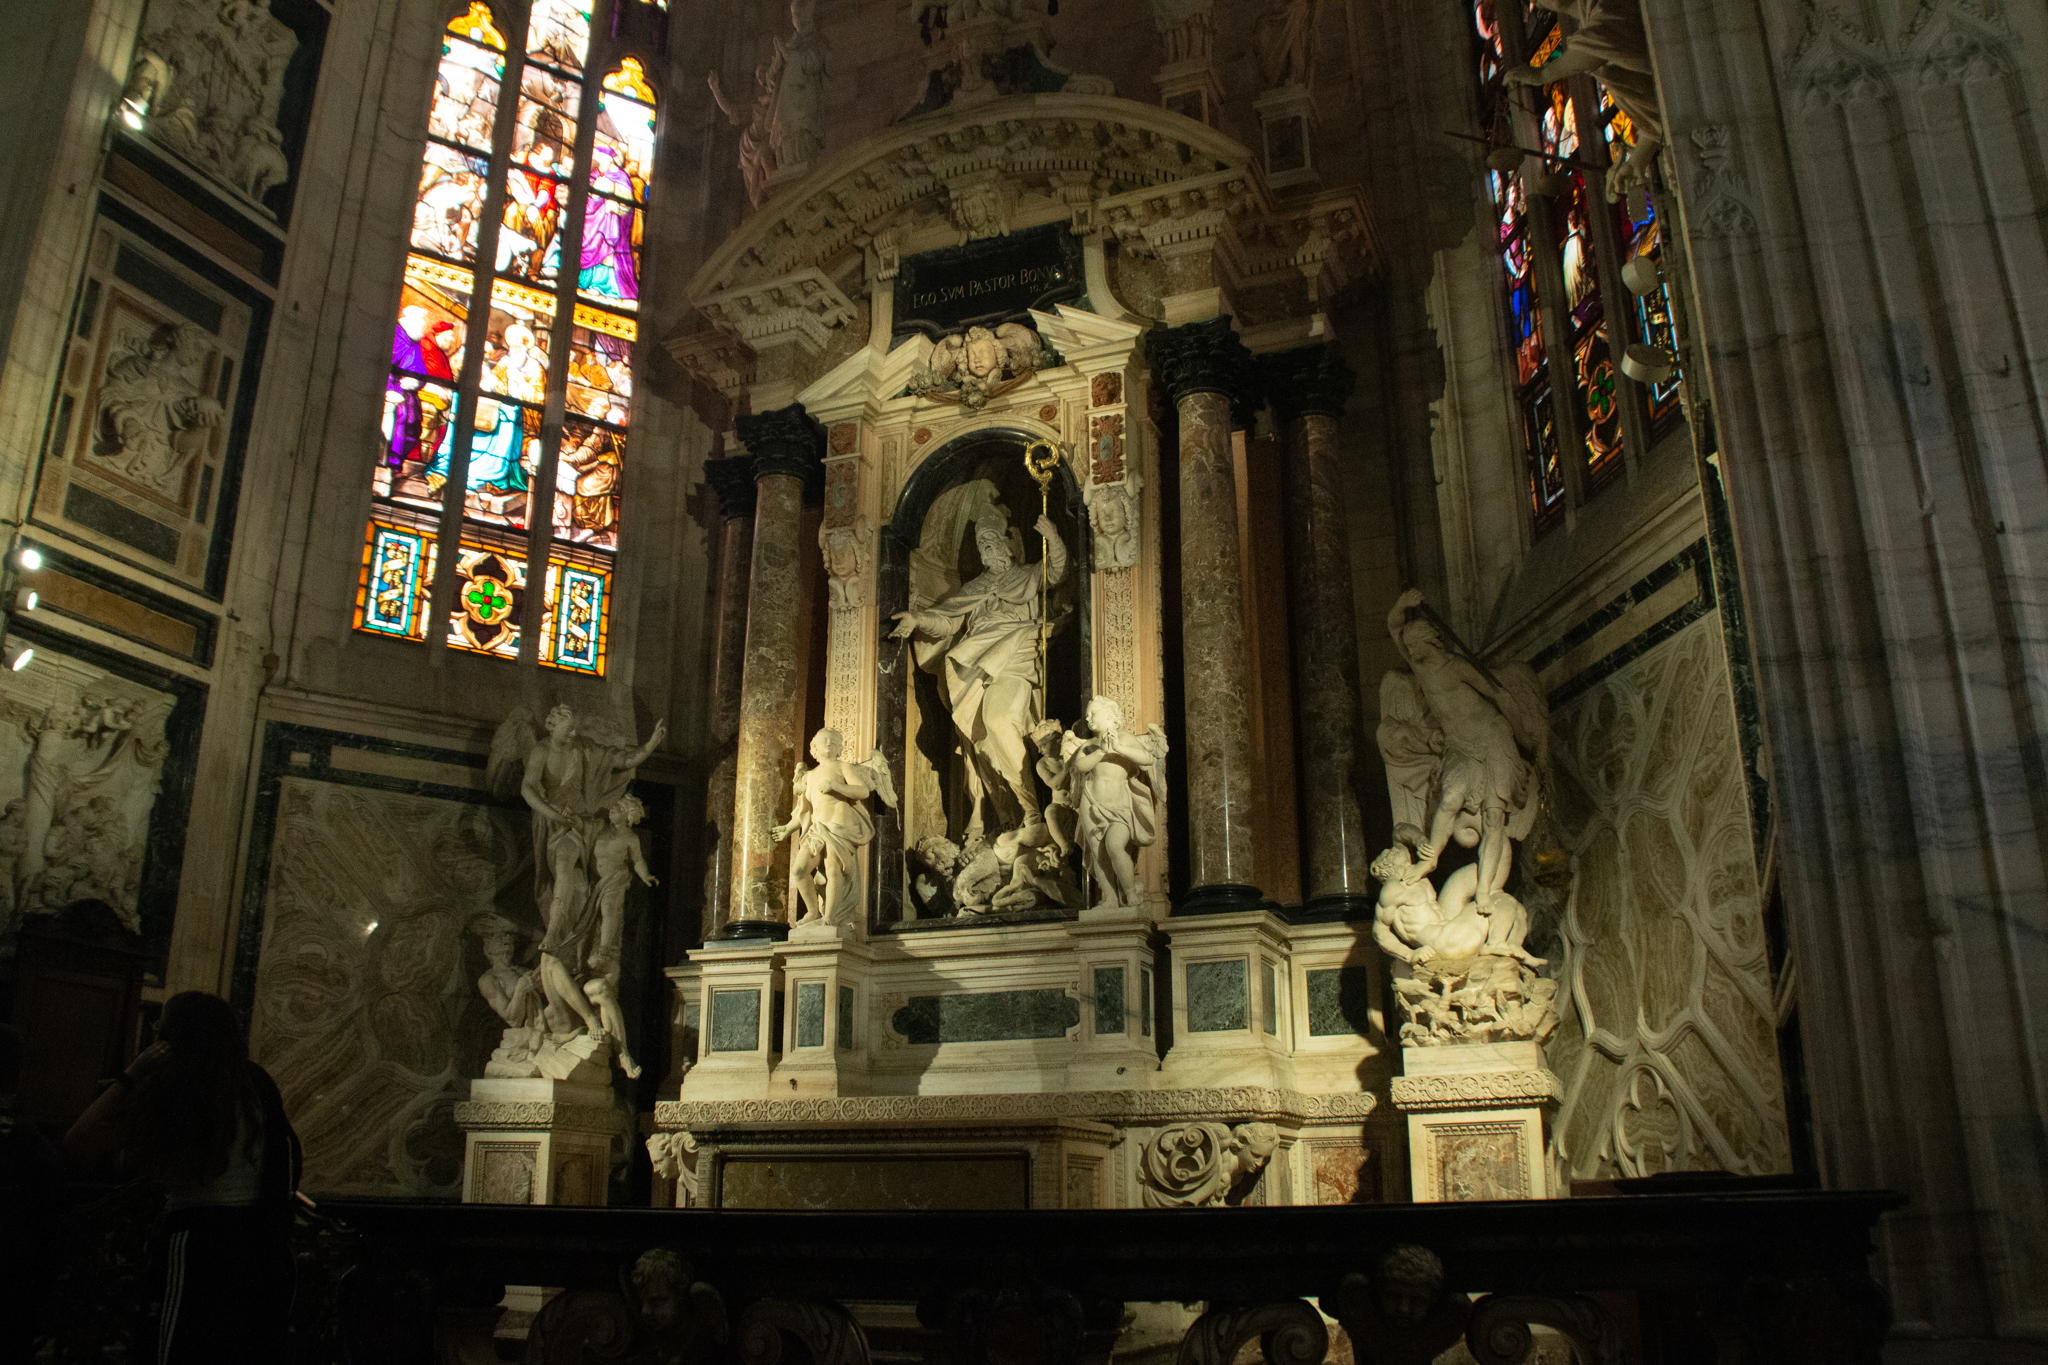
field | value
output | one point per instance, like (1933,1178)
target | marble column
(784,445)
(1211,378)
(1308,388)
(732,482)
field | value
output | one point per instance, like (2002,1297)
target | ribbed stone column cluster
(783,445)
(731,481)
(1308,388)
(1212,380)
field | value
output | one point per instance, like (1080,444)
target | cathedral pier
(732,481)
(1208,373)
(1308,387)
(783,445)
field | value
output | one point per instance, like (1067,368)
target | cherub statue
(616,858)
(1463,743)
(1608,42)
(831,824)
(1117,784)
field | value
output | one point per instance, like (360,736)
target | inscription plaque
(980,284)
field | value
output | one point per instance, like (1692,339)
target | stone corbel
(802,308)
(719,359)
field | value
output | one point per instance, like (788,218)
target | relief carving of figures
(585,856)
(1113,517)
(1610,44)
(155,415)
(830,821)
(846,550)
(1284,44)
(971,365)
(93,765)
(1202,1165)
(1185,26)
(1464,744)
(1116,785)
(982,642)
(218,109)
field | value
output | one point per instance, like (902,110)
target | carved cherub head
(827,745)
(561,722)
(1409,1283)
(660,1281)
(627,811)
(1105,717)
(1419,638)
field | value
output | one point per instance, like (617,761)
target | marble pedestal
(825,982)
(738,981)
(537,1141)
(1475,1121)
(1232,1018)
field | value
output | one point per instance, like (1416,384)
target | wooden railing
(1656,1279)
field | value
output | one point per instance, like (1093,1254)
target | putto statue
(1116,784)
(971,365)
(830,821)
(1464,743)
(584,851)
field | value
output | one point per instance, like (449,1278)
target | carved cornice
(783,441)
(1477,1089)
(732,480)
(1207,357)
(717,358)
(1122,1107)
(538,1114)
(803,306)
(1309,379)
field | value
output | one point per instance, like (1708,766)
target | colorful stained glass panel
(558,34)
(1599,399)
(396,580)
(504,452)
(622,159)
(600,376)
(587,485)
(544,139)
(415,440)
(530,239)
(574,630)
(516,342)
(450,204)
(466,95)
(490,597)
(609,265)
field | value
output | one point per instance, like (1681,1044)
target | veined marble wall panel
(366,1008)
(1669,1050)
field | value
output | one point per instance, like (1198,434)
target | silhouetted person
(31,1194)
(195,1114)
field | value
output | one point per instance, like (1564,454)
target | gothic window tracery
(511,376)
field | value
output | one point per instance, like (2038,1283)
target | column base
(1476,1116)
(1341,905)
(1221,898)
(773,930)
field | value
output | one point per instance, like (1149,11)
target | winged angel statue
(582,843)
(1465,744)
(830,821)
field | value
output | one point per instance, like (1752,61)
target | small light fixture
(17,656)
(146,80)
(370,928)
(26,599)
(29,558)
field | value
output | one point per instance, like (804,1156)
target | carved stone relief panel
(137,460)
(81,761)
(1669,1054)
(365,1005)
(503,1172)
(1476,1161)
(224,78)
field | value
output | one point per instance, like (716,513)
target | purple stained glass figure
(607,268)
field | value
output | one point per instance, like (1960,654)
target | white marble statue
(1185,26)
(1284,44)
(218,108)
(796,119)
(1464,744)
(154,415)
(1113,517)
(845,551)
(1116,784)
(830,821)
(584,852)
(756,124)
(981,640)
(1609,43)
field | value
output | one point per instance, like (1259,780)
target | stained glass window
(510,377)
(1639,233)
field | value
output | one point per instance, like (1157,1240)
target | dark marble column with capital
(1213,383)
(783,445)
(731,482)
(1308,388)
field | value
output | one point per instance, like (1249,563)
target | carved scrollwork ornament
(823,1329)
(1498,1332)
(1290,1332)
(581,1327)
(1198,1165)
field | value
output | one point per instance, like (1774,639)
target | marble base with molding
(537,1141)
(1475,1121)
